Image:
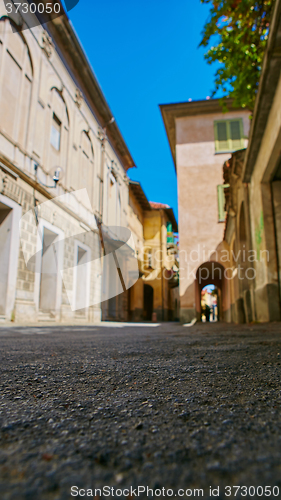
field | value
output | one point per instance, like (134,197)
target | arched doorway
(209,303)
(147,302)
(212,274)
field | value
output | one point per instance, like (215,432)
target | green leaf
(240,28)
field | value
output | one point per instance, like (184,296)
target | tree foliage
(240,30)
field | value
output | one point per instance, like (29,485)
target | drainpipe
(162,278)
(99,216)
(102,137)
(276,240)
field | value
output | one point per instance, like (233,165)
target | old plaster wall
(199,171)
(262,216)
(35,84)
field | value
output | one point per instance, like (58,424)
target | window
(149,258)
(87,163)
(221,201)
(112,201)
(229,135)
(56,132)
(170,234)
(16,82)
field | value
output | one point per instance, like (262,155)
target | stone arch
(213,273)
(58,131)
(61,103)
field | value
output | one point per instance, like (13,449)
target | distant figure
(213,312)
(207,311)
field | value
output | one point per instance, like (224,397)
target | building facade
(253,198)
(63,172)
(155,295)
(201,138)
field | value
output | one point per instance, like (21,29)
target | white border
(13,254)
(77,244)
(43,223)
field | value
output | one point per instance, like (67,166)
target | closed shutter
(235,135)
(170,234)
(229,135)
(222,142)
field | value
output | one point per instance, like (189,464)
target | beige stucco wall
(199,171)
(262,216)
(25,130)
(149,230)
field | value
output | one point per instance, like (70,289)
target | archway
(147,302)
(209,303)
(212,274)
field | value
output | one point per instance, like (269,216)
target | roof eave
(70,48)
(170,112)
(139,194)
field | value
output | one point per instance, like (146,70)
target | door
(148,302)
(82,279)
(5,247)
(49,272)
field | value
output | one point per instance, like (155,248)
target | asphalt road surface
(174,409)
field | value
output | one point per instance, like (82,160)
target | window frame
(230,149)
(221,205)
(56,119)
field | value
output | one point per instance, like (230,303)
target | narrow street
(164,406)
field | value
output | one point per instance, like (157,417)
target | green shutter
(235,135)
(170,234)
(221,201)
(229,135)
(222,142)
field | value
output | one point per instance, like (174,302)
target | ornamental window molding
(47,44)
(78,98)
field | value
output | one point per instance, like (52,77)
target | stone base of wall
(25,311)
(92,316)
(136,315)
(233,313)
(227,315)
(161,316)
(248,306)
(66,313)
(187,315)
(95,315)
(267,303)
(240,311)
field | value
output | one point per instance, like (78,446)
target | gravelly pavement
(168,407)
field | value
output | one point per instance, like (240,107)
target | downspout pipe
(162,278)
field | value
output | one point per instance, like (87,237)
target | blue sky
(145,53)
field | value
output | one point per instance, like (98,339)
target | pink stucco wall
(199,171)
